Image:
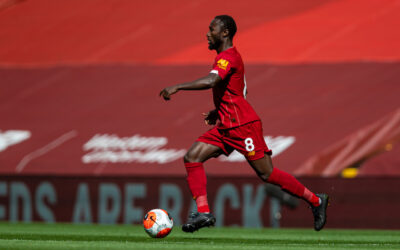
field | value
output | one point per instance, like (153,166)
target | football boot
(320,212)
(197,221)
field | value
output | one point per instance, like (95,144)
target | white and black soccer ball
(157,223)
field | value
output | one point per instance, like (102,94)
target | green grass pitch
(68,236)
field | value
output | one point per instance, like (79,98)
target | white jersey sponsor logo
(105,148)
(12,137)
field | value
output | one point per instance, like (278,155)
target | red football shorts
(248,139)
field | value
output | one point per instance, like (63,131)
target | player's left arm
(205,82)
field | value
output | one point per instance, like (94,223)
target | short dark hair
(229,24)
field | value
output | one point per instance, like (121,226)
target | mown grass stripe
(67,236)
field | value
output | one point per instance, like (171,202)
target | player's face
(214,34)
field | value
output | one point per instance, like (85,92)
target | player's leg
(265,170)
(249,140)
(198,153)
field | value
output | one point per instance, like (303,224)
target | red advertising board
(235,202)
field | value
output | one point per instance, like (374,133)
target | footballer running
(237,127)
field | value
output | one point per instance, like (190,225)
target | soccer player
(237,127)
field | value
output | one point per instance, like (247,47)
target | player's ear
(225,33)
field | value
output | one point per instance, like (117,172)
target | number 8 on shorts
(249,144)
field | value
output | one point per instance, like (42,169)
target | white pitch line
(41,151)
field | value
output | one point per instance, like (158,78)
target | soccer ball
(157,223)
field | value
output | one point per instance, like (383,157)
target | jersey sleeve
(223,66)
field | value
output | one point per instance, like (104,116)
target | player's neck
(224,46)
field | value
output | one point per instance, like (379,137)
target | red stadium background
(85,138)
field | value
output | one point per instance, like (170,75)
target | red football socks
(197,180)
(202,204)
(311,198)
(292,185)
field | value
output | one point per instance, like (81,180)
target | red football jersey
(230,94)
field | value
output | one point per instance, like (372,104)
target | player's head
(229,24)
(222,27)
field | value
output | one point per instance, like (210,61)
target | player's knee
(264,176)
(190,156)
(186,158)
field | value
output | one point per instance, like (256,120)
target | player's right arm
(206,82)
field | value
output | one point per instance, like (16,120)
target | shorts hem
(269,152)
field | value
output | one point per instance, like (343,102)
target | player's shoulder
(229,56)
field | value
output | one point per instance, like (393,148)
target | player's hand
(211,117)
(167,92)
